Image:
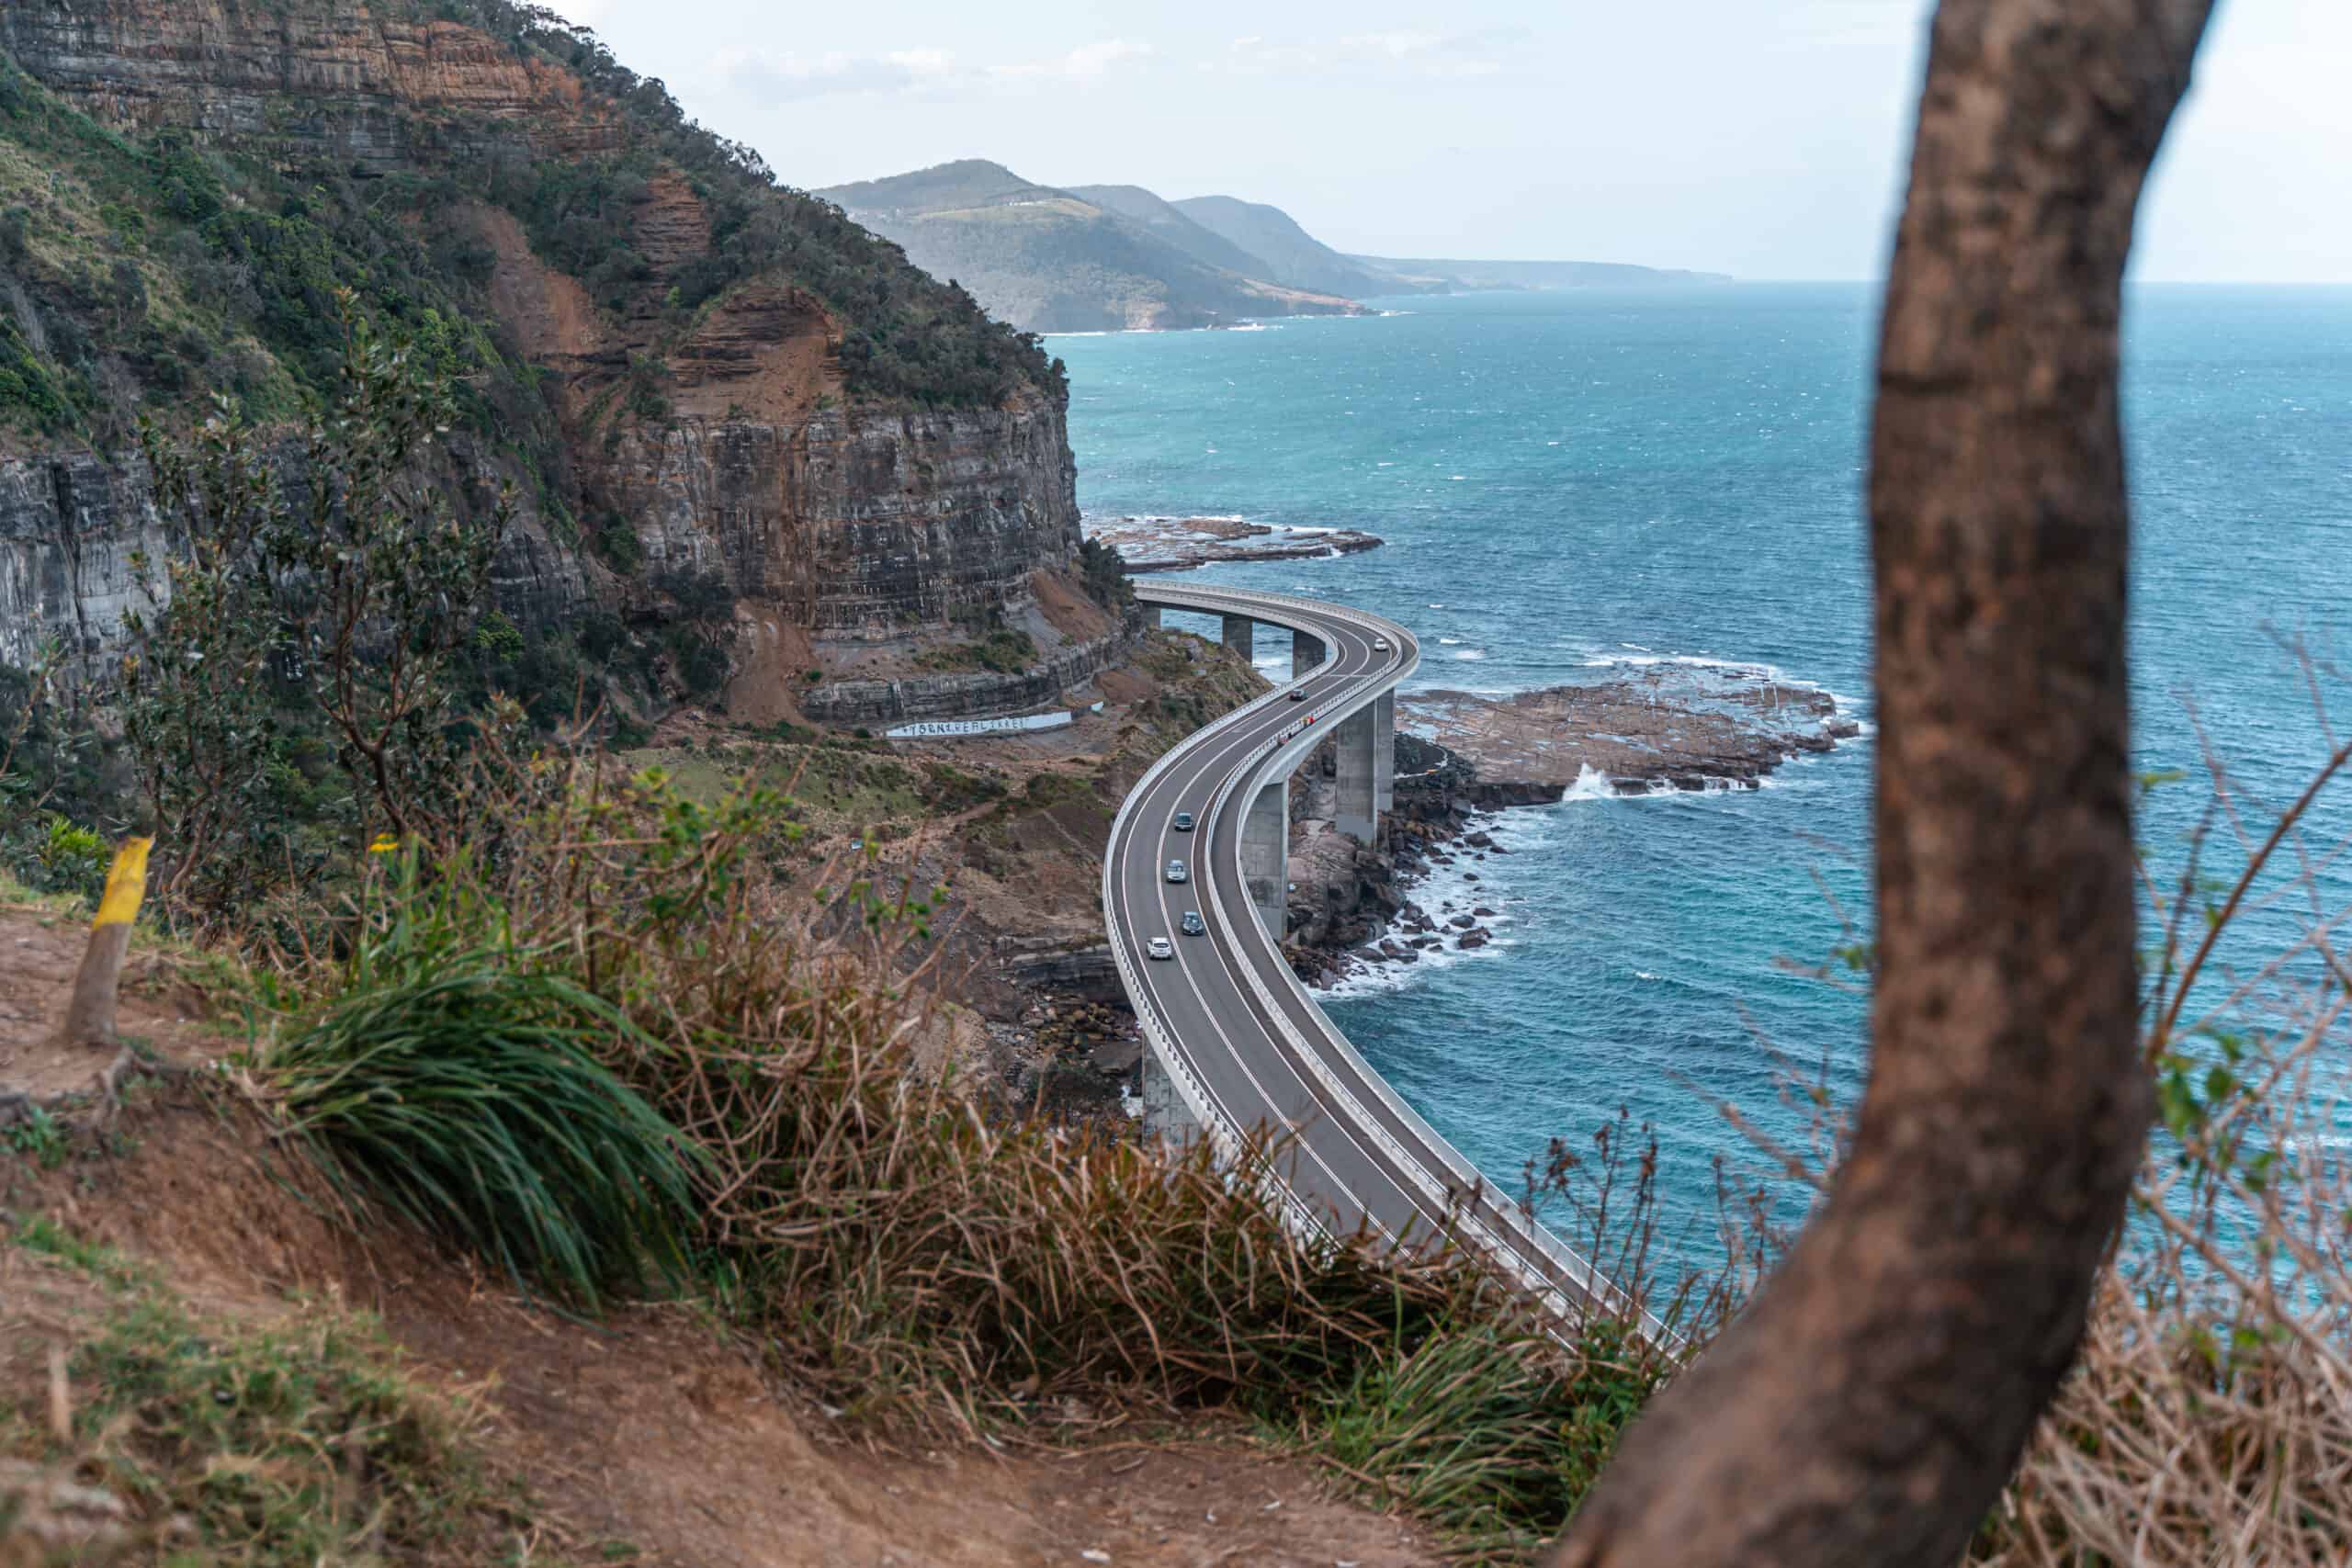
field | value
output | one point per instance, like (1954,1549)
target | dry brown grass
(2210,1419)
(931,1263)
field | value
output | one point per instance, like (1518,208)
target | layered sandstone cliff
(691,441)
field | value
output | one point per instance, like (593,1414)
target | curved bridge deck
(1241,1043)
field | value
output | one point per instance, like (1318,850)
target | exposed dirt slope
(649,1438)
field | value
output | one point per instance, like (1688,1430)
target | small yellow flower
(385,844)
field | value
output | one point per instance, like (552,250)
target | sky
(1762,137)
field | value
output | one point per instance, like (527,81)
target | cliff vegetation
(729,424)
(147,261)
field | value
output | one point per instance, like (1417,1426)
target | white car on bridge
(1160,947)
(1175,871)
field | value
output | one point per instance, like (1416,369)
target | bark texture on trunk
(1868,1406)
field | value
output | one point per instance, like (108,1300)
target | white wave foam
(1645,660)
(1591,784)
(1448,641)
(1444,891)
(1472,654)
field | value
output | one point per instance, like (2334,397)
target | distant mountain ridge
(1293,256)
(1052,260)
(1162,217)
(1113,257)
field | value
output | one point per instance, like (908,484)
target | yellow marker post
(126,885)
(89,1018)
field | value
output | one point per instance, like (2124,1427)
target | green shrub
(462,1087)
(71,858)
(617,544)
(497,636)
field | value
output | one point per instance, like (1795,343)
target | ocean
(1572,483)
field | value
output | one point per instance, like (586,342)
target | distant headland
(1120,258)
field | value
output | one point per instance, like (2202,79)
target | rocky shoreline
(1179,543)
(1661,727)
(1434,886)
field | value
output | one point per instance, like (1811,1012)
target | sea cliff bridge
(1233,1041)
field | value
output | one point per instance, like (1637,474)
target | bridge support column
(1384,756)
(1151,618)
(1306,652)
(1165,1114)
(1265,856)
(1357,813)
(1241,634)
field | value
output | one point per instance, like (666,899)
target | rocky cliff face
(851,523)
(348,81)
(856,523)
(722,440)
(70,528)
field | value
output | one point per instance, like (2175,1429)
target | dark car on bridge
(1192,924)
(1183,822)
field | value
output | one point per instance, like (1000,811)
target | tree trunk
(1868,1406)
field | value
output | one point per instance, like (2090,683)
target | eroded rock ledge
(1657,729)
(1661,727)
(1179,543)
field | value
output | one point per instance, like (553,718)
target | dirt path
(652,1429)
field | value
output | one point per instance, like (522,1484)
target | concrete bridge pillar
(1265,856)
(1151,618)
(1165,1114)
(1307,652)
(1357,811)
(1241,634)
(1384,756)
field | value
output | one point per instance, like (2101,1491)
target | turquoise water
(1568,482)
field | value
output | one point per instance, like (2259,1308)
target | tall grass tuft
(463,1085)
(1467,1428)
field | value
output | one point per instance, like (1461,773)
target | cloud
(582,13)
(1400,53)
(932,73)
(1257,56)
(784,78)
(1391,46)
(1084,63)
